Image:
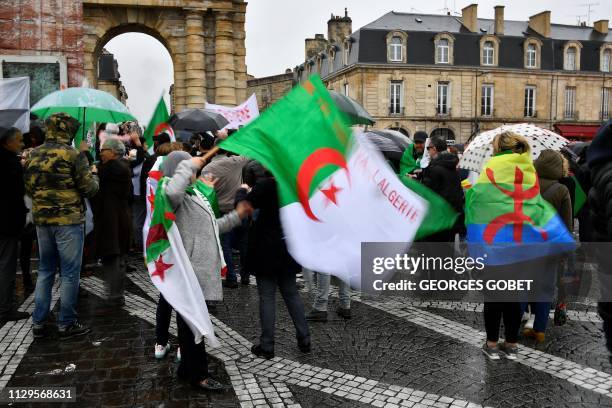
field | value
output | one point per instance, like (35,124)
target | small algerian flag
(166,259)
(158,124)
(335,191)
(408,163)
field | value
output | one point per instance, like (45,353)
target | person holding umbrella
(13,207)
(58,178)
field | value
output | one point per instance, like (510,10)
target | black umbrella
(8,117)
(390,143)
(197,120)
(356,113)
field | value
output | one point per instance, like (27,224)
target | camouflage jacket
(58,178)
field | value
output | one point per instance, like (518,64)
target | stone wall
(44,28)
(270,89)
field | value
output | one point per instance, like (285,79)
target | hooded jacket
(58,177)
(551,168)
(600,195)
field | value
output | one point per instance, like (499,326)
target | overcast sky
(276,29)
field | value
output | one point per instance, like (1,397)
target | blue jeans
(323,281)
(541,310)
(266,286)
(58,246)
(226,246)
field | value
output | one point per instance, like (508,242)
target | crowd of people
(78,205)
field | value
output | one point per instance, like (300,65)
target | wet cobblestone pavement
(391,354)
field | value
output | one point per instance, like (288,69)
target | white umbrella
(480,150)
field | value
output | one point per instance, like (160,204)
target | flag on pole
(158,124)
(506,216)
(169,265)
(335,192)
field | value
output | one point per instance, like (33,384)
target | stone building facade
(204,38)
(270,89)
(456,76)
(43,40)
(110,81)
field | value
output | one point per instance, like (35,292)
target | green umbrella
(85,104)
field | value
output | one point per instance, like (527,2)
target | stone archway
(205,41)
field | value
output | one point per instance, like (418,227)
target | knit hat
(600,149)
(420,136)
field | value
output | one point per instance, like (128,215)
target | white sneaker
(529,324)
(161,351)
(178,355)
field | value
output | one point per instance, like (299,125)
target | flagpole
(210,153)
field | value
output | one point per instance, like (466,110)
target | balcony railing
(396,111)
(443,113)
(575,115)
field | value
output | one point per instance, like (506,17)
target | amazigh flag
(170,268)
(507,218)
(158,124)
(335,192)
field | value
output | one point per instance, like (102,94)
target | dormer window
(606,58)
(442,51)
(332,57)
(345,52)
(571,59)
(396,46)
(444,48)
(488,53)
(489,50)
(532,48)
(532,56)
(395,49)
(571,55)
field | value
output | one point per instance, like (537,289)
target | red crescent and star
(310,167)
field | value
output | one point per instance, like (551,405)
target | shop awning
(577,131)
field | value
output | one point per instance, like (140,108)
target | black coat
(267,253)
(12,206)
(112,209)
(600,202)
(442,177)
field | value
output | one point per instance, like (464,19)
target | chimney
(540,23)
(313,46)
(601,26)
(470,17)
(338,28)
(499,20)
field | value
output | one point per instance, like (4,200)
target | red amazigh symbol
(331,192)
(161,268)
(517,218)
(310,167)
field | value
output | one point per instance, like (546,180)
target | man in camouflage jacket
(58,178)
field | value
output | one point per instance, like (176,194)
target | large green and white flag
(167,261)
(335,191)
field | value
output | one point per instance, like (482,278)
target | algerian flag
(167,261)
(408,163)
(335,192)
(158,124)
